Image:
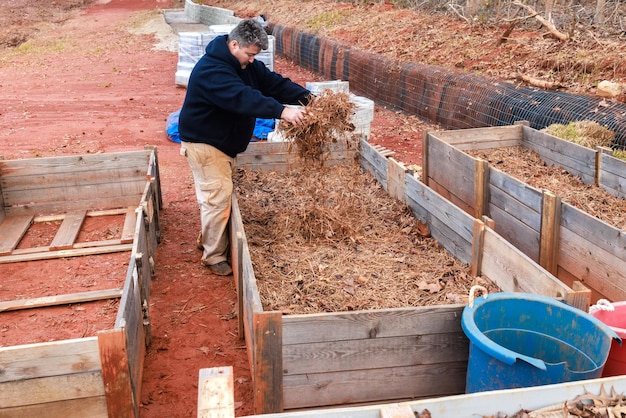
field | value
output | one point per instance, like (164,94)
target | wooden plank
(93,407)
(482,138)
(375,353)
(379,323)
(595,267)
(74,164)
(64,253)
(519,234)
(453,169)
(612,174)
(549,238)
(235,227)
(481,187)
(575,159)
(268,367)
(374,162)
(121,189)
(68,231)
(130,221)
(76,204)
(513,271)
(14,305)
(425,157)
(396,411)
(19,393)
(216,396)
(477,248)
(580,296)
(30,361)
(343,388)
(395,179)
(115,374)
(12,230)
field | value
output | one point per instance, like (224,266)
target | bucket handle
(473,289)
(602,305)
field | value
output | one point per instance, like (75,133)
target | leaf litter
(330,239)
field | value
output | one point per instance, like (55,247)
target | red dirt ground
(89,85)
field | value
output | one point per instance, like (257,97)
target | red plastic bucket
(616,320)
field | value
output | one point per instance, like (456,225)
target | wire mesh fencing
(452,99)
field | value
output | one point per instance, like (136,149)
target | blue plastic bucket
(521,340)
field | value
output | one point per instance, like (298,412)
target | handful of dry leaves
(327,120)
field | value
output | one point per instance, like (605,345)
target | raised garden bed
(568,242)
(342,358)
(84,375)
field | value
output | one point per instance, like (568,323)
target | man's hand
(293,115)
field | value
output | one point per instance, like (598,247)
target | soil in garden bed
(331,239)
(527,166)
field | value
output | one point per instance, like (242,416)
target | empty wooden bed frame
(94,376)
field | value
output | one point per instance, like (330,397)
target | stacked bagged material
(191,46)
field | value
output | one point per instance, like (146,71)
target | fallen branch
(548,85)
(512,23)
(551,28)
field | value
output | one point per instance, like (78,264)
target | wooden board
(31,361)
(482,138)
(612,175)
(12,230)
(216,396)
(14,305)
(130,220)
(68,231)
(577,160)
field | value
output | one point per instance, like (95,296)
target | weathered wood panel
(482,138)
(12,230)
(448,224)
(356,386)
(451,168)
(612,175)
(513,271)
(71,183)
(577,160)
(25,362)
(374,162)
(593,252)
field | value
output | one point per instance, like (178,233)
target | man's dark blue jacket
(223,100)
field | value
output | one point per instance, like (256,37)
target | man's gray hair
(249,32)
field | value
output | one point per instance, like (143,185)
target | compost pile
(527,166)
(329,238)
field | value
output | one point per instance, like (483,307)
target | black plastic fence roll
(451,99)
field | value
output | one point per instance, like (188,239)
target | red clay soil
(89,85)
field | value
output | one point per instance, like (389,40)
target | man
(227,90)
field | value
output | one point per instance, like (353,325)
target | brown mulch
(527,166)
(332,240)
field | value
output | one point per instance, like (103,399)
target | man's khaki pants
(213,177)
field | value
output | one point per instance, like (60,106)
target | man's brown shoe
(199,242)
(221,269)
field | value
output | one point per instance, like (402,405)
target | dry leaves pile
(332,240)
(327,120)
(527,166)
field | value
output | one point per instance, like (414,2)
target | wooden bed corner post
(268,363)
(477,247)
(116,374)
(395,179)
(549,237)
(481,187)
(425,158)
